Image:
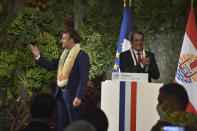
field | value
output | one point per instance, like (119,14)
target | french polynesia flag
(130,106)
(186,74)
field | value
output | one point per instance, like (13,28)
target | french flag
(129,30)
(128,99)
(127,27)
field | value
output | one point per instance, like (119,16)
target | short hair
(73,34)
(80,125)
(176,91)
(96,116)
(131,36)
(43,106)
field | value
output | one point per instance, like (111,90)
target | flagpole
(130,3)
(192,3)
(125,3)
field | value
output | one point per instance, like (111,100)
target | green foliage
(34,78)
(49,23)
(99,34)
(4,122)
(7,63)
(2,97)
(35,31)
(100,53)
(25,59)
(24,26)
(17,25)
(45,18)
(28,35)
(18,63)
(163,15)
(4,119)
(63,10)
(23,19)
(107,18)
(96,57)
(48,46)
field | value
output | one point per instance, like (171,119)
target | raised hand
(35,50)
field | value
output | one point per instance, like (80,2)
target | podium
(130,106)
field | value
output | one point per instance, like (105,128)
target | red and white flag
(186,74)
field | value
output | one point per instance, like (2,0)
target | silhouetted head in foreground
(80,125)
(96,116)
(172,97)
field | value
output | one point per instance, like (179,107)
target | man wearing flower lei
(72,76)
(137,60)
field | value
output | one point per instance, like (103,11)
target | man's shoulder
(82,52)
(82,55)
(125,53)
(149,53)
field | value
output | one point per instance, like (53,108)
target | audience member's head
(172,97)
(80,125)
(96,116)
(43,106)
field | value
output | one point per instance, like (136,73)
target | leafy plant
(47,22)
(48,46)
(29,35)
(99,34)
(97,51)
(4,122)
(35,79)
(158,16)
(18,28)
(7,63)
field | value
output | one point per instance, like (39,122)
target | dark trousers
(66,112)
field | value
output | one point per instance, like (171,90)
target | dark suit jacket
(78,77)
(127,65)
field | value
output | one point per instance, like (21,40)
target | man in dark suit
(73,69)
(137,60)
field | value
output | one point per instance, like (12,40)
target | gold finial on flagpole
(192,3)
(125,1)
(130,1)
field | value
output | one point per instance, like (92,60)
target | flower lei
(65,66)
(132,54)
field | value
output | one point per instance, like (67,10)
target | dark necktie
(139,57)
(66,56)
